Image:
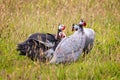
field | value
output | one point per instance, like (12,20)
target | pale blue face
(75,27)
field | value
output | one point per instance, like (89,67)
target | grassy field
(20,18)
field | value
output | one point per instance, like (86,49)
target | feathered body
(69,49)
(38,44)
(90,36)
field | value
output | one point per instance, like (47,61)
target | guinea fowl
(38,43)
(70,48)
(90,36)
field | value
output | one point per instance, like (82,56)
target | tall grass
(20,18)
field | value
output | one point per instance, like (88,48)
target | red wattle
(84,24)
(63,28)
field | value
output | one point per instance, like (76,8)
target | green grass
(20,18)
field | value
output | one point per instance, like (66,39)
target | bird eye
(76,29)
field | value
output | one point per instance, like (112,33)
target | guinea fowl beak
(72,29)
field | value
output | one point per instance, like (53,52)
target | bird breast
(71,43)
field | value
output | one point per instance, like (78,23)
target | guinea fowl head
(75,27)
(78,26)
(60,33)
(82,23)
(61,27)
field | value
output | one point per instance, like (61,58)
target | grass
(20,18)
